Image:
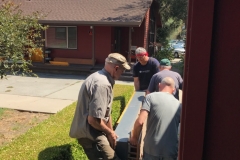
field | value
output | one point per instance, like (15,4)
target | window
(61,37)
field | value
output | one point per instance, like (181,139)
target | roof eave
(92,23)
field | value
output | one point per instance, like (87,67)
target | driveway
(49,93)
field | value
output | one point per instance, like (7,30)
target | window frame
(66,37)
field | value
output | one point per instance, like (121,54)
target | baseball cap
(117,58)
(165,62)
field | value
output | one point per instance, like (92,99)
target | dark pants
(99,149)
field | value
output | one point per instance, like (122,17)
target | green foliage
(179,66)
(20,36)
(50,140)
(165,53)
(173,14)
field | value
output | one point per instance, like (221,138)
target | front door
(117,40)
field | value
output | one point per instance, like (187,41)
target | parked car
(179,52)
(173,41)
(179,49)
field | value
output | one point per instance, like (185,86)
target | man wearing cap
(92,124)
(144,69)
(165,71)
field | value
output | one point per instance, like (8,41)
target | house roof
(89,12)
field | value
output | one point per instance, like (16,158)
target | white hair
(140,50)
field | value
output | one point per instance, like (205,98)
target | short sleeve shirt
(158,77)
(161,137)
(95,99)
(145,72)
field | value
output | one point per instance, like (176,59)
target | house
(86,31)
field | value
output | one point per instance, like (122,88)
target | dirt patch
(14,123)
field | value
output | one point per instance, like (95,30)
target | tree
(20,37)
(173,14)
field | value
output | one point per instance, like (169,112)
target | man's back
(158,77)
(162,125)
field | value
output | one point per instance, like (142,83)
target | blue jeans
(150,157)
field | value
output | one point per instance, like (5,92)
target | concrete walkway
(49,93)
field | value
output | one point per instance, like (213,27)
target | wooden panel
(59,63)
(196,74)
(75,60)
(222,140)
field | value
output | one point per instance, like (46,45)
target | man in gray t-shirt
(162,112)
(165,71)
(92,124)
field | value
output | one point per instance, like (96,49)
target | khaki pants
(98,149)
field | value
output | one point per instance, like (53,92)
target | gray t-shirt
(94,99)
(158,77)
(161,137)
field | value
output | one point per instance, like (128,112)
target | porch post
(93,46)
(129,44)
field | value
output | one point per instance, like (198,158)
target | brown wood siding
(210,117)
(138,35)
(103,36)
(84,46)
(222,128)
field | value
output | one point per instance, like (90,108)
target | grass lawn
(2,111)
(50,140)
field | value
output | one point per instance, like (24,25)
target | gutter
(91,23)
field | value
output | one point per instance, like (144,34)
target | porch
(74,69)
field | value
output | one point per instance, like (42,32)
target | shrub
(165,52)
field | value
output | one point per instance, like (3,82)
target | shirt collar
(109,77)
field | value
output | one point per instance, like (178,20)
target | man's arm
(136,83)
(152,85)
(180,82)
(147,92)
(138,127)
(100,125)
(109,124)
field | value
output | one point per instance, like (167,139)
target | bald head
(167,85)
(168,81)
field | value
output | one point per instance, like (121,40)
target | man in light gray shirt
(162,112)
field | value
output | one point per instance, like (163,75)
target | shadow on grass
(122,102)
(122,106)
(56,153)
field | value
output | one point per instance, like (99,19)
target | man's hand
(133,141)
(112,138)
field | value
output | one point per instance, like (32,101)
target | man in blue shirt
(144,69)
